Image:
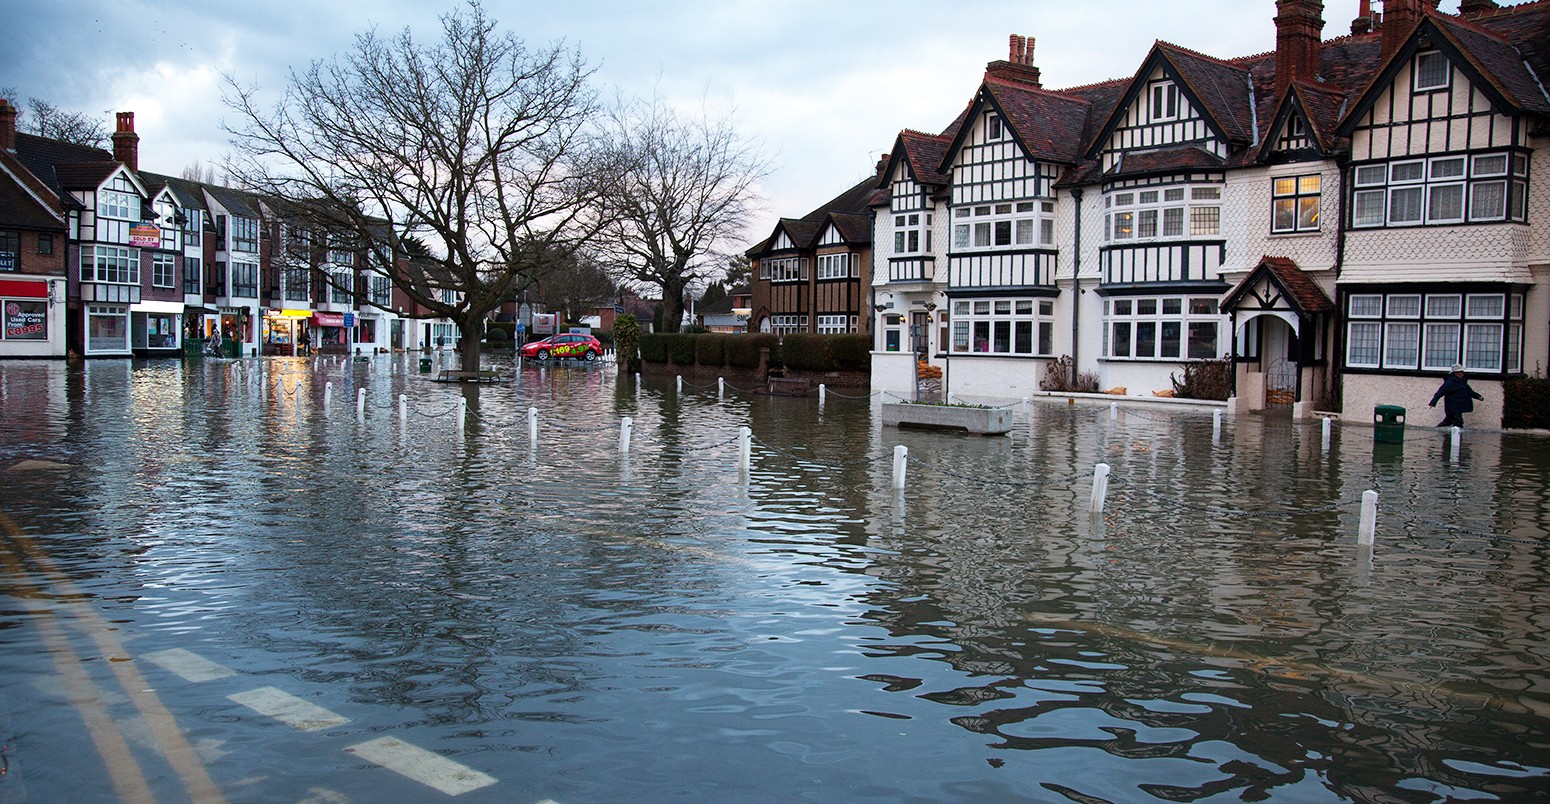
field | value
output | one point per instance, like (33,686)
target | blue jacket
(1456,394)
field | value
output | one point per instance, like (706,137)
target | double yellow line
(17,551)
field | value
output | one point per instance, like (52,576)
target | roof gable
(26,202)
(1290,285)
(1492,65)
(1217,90)
(1047,126)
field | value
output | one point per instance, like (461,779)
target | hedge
(1526,403)
(743,350)
(680,348)
(710,349)
(507,327)
(807,352)
(653,347)
(852,352)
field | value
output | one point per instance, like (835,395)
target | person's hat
(1457,367)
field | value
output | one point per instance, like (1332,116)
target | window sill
(996,354)
(1295,235)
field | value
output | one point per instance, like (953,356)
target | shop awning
(328,319)
(23,289)
(144,306)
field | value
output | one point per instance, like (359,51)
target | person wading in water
(1458,398)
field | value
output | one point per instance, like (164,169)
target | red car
(570,344)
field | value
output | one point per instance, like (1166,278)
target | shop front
(29,326)
(236,330)
(156,327)
(333,332)
(287,333)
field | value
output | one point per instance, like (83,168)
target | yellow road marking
(164,728)
(128,781)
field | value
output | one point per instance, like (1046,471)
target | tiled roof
(84,175)
(1221,86)
(236,202)
(1048,124)
(40,155)
(1527,27)
(854,227)
(1499,62)
(25,202)
(1166,160)
(188,193)
(925,153)
(1305,294)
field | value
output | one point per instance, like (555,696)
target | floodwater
(213,589)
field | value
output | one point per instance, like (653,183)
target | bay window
(1161,213)
(1014,326)
(110,264)
(1009,224)
(839,266)
(1433,331)
(1162,328)
(1472,188)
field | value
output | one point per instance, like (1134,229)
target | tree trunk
(672,307)
(470,333)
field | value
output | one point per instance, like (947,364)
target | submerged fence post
(1027,407)
(1216,426)
(744,448)
(360,403)
(721,387)
(403,408)
(1326,426)
(328,395)
(1454,435)
(462,413)
(901,465)
(1369,523)
(625,428)
(1113,411)
(823,394)
(532,427)
(1100,488)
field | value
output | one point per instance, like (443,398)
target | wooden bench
(788,386)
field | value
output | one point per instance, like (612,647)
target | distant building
(813,274)
(728,315)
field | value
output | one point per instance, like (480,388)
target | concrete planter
(984,421)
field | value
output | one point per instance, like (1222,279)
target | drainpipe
(1076,288)
(1334,380)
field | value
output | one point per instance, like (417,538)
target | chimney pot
(1399,19)
(1477,6)
(7,125)
(126,143)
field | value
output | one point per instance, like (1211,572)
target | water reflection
(598,626)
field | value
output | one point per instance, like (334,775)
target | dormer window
(993,128)
(1431,72)
(1165,101)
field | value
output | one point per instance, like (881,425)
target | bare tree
(680,189)
(470,145)
(47,120)
(573,284)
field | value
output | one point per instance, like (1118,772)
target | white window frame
(1163,102)
(1126,317)
(1298,193)
(1505,172)
(835,324)
(994,323)
(1175,212)
(843,265)
(1416,70)
(119,265)
(980,227)
(911,232)
(1430,332)
(784,269)
(164,272)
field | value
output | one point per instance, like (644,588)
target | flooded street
(213,587)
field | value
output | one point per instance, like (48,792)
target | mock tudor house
(1344,220)
(813,274)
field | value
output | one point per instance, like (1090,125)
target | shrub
(626,338)
(852,352)
(653,346)
(497,336)
(1526,403)
(1205,379)
(1058,377)
(742,351)
(710,349)
(680,348)
(508,330)
(603,336)
(806,352)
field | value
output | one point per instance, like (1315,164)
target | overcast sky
(823,86)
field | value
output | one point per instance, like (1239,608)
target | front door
(1279,351)
(920,334)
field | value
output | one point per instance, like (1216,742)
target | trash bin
(1388,424)
(425,365)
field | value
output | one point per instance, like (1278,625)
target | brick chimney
(1364,23)
(1399,19)
(1299,31)
(1018,67)
(7,126)
(126,143)
(1468,7)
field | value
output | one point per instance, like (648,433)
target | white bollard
(1326,426)
(1455,433)
(1369,523)
(328,394)
(626,427)
(721,387)
(901,465)
(532,427)
(462,414)
(744,448)
(1216,426)
(403,408)
(637,378)
(1113,411)
(360,402)
(823,393)
(1027,407)
(1100,488)
(680,382)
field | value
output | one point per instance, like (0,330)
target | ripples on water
(588,629)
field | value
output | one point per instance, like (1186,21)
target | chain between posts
(832,392)
(1048,481)
(1122,483)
